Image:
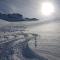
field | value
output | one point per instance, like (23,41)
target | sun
(47,8)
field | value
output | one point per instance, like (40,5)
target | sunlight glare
(47,8)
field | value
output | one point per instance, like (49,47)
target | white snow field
(3,22)
(48,41)
(48,44)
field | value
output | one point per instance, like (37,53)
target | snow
(3,22)
(48,44)
(48,41)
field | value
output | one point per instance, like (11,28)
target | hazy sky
(29,8)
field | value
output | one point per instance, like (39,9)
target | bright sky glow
(47,8)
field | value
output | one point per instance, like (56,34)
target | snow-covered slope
(3,22)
